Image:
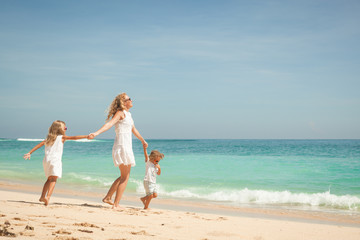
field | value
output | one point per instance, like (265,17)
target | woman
(122,152)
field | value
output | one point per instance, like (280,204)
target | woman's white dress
(122,150)
(52,161)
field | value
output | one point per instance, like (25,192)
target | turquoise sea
(321,175)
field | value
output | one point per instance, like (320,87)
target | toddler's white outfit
(150,178)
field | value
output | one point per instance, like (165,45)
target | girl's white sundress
(52,160)
(122,150)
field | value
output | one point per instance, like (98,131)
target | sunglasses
(129,99)
(65,128)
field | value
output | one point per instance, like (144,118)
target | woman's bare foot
(44,200)
(107,200)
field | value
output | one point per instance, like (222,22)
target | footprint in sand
(29,228)
(27,234)
(5,233)
(19,224)
(132,212)
(202,218)
(157,213)
(85,224)
(144,233)
(48,224)
(28,231)
(62,231)
(65,238)
(84,230)
(39,216)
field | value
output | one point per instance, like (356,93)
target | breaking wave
(264,197)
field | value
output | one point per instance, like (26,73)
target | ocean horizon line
(191,139)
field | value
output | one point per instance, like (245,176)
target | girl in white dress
(54,144)
(123,156)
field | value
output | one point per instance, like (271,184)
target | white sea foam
(139,185)
(238,197)
(246,196)
(74,177)
(30,139)
(85,140)
(39,140)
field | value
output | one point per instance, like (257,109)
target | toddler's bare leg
(144,199)
(147,202)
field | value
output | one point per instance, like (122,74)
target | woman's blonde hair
(116,105)
(54,130)
(156,153)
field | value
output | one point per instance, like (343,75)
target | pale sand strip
(338,217)
(69,218)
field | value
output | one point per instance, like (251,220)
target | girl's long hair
(54,130)
(116,105)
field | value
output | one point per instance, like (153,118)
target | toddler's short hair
(156,153)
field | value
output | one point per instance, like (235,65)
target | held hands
(27,156)
(91,136)
(145,144)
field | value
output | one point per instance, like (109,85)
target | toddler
(152,169)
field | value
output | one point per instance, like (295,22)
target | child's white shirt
(150,172)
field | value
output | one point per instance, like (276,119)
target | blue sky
(195,69)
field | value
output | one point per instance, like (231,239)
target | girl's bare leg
(48,189)
(44,191)
(114,186)
(124,178)
(52,183)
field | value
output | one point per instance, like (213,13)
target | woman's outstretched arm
(118,116)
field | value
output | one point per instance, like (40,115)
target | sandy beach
(81,216)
